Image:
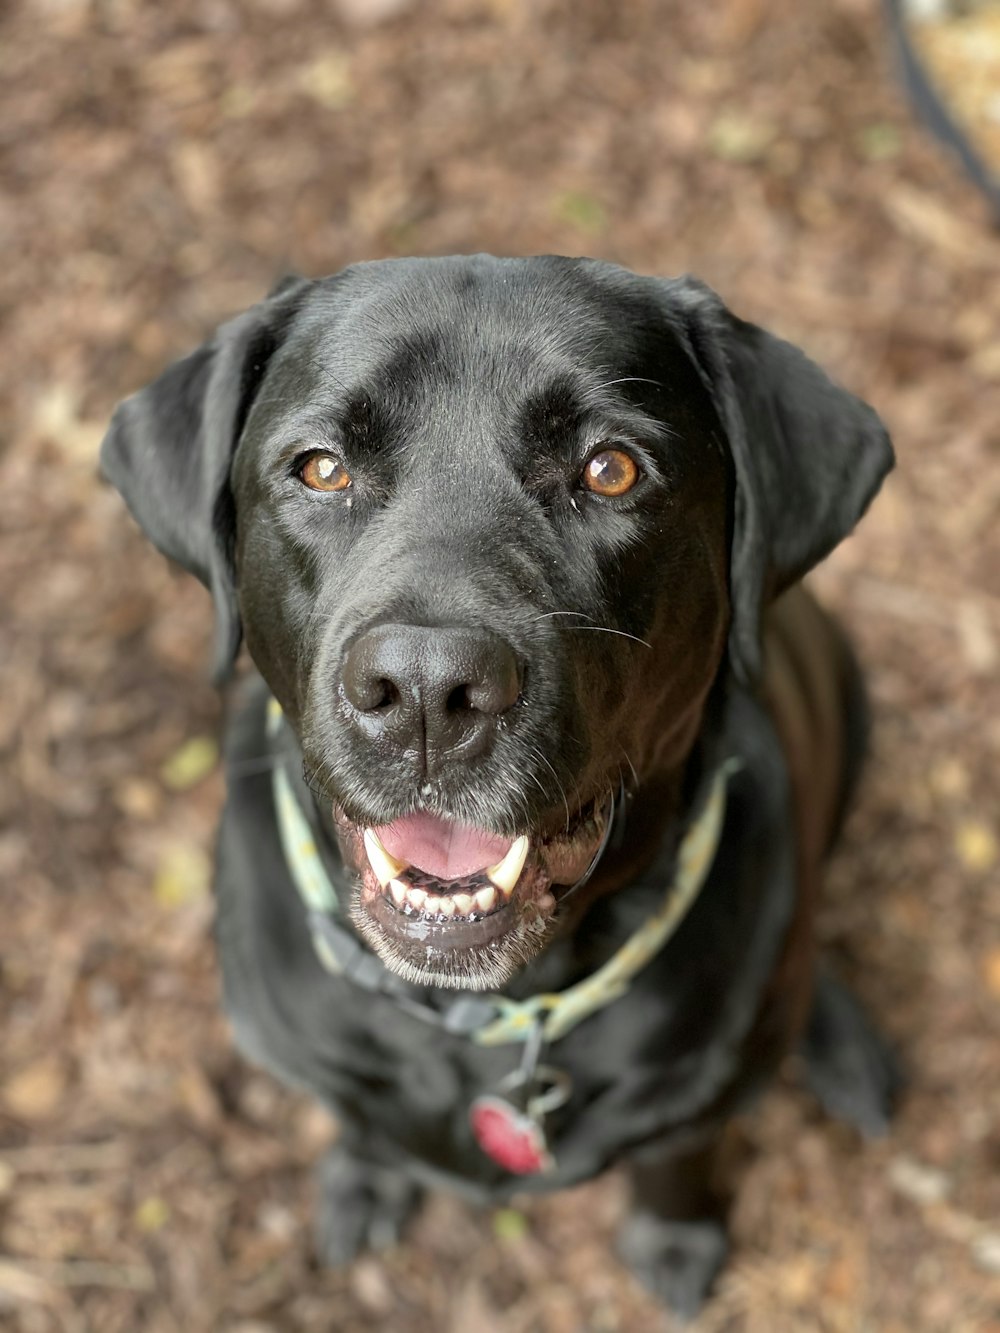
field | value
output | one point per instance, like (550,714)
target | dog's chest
(410,1092)
(645,1065)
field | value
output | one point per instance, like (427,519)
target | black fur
(464,396)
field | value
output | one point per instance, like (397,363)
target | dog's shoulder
(814,692)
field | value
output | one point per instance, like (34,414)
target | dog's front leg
(361,1206)
(675,1239)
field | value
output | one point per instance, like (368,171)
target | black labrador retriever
(528,803)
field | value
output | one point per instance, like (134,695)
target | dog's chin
(461,925)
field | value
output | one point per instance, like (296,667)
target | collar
(494,1020)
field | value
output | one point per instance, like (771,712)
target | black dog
(504,538)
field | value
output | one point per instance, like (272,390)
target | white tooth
(386,867)
(507,872)
(416,897)
(432,905)
(447,907)
(463,903)
(398,891)
(486,899)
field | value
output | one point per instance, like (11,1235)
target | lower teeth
(408,909)
(426,900)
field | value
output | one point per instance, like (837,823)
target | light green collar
(494,1020)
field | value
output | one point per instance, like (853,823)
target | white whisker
(603,629)
(624,379)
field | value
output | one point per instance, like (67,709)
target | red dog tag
(512,1137)
(508,1128)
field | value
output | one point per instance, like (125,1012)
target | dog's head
(491,529)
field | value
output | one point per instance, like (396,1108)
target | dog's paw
(360,1207)
(849,1066)
(676,1261)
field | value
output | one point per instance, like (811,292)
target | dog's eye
(322,472)
(610,472)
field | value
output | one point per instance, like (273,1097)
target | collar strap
(561,1011)
(494,1020)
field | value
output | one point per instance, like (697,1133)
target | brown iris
(610,472)
(322,472)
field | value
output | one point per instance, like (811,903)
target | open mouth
(433,894)
(446,904)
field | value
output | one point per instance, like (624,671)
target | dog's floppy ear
(808,456)
(169,450)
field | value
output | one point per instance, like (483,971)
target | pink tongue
(440,848)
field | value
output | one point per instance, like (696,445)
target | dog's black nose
(431,690)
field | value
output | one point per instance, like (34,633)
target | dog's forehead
(554,300)
(496,326)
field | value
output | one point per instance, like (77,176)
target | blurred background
(162,164)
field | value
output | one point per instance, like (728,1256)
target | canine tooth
(463,903)
(486,899)
(506,873)
(447,907)
(398,892)
(386,867)
(416,897)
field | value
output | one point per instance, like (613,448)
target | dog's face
(482,524)
(481,560)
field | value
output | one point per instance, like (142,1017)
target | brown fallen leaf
(199,1098)
(139,798)
(57,418)
(36,1090)
(991,972)
(370,13)
(327,80)
(735,137)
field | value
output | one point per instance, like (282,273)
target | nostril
(388,696)
(366,683)
(458,701)
(376,695)
(499,685)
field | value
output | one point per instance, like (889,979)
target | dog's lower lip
(445,938)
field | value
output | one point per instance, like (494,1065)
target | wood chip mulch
(160,165)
